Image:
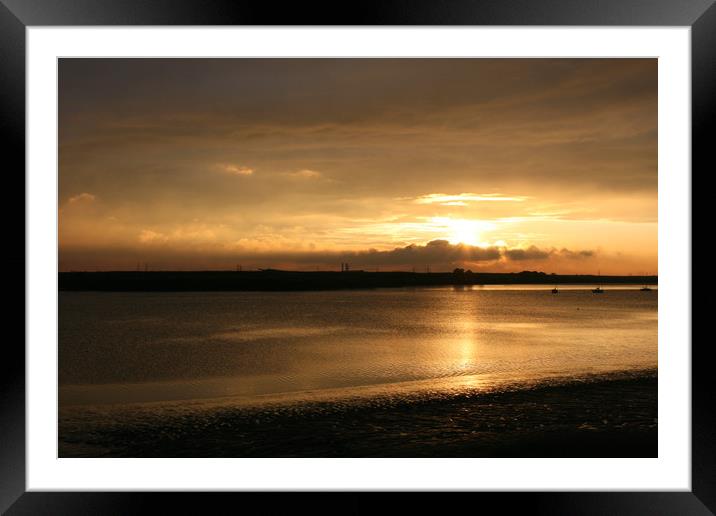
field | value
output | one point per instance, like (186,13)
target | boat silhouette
(554,290)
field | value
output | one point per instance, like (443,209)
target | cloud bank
(438,255)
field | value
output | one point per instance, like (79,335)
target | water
(256,347)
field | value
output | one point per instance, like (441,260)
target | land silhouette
(283,280)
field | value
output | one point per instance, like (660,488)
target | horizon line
(368,271)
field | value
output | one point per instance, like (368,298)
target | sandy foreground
(598,416)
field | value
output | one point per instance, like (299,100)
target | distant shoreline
(276,280)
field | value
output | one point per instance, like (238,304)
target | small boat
(554,290)
(645,288)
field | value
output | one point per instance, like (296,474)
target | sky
(389,164)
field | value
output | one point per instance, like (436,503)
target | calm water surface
(145,347)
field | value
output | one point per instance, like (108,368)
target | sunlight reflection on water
(131,347)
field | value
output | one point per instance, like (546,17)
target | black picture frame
(17,15)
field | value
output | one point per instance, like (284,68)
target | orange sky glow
(390,164)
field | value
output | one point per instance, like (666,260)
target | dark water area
(513,371)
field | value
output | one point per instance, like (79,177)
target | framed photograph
(416,248)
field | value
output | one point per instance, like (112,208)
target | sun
(464,231)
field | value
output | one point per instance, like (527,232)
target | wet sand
(599,416)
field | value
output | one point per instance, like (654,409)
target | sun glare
(464,231)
